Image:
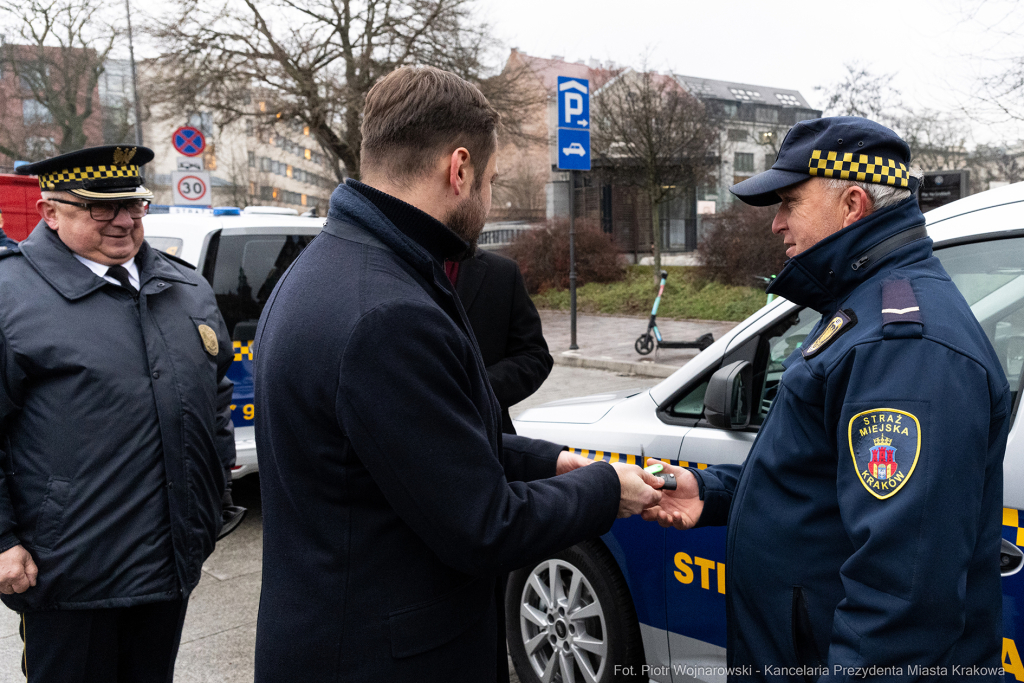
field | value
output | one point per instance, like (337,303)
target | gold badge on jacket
(209,339)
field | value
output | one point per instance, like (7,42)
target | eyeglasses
(107,211)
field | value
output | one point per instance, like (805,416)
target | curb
(647,369)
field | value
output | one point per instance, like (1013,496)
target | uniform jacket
(391,500)
(115,427)
(864,526)
(507,328)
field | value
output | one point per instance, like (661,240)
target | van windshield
(243,270)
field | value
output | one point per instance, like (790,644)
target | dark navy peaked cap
(841,147)
(107,173)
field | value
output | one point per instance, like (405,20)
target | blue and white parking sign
(573,150)
(573,124)
(573,103)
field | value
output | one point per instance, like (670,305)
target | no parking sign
(189,141)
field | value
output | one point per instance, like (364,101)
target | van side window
(244,271)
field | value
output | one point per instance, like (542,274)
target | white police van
(242,254)
(649,603)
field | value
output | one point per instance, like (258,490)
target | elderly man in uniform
(115,425)
(864,526)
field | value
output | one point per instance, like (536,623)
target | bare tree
(55,50)
(314,61)
(654,135)
(937,139)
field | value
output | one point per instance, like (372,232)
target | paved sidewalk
(606,342)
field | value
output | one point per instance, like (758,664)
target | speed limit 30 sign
(191,188)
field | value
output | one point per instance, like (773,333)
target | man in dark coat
(116,427)
(391,500)
(864,526)
(506,325)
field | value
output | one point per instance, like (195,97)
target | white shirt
(101,270)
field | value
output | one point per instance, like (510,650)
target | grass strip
(687,295)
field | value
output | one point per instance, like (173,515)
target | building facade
(250,162)
(753,120)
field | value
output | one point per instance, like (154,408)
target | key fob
(658,470)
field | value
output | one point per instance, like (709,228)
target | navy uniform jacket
(115,427)
(391,500)
(864,526)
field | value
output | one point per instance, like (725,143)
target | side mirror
(728,397)
(1010,558)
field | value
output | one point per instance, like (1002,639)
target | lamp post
(135,80)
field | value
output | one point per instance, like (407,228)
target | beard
(467,221)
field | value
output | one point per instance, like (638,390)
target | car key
(658,470)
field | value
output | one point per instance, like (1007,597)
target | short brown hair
(415,114)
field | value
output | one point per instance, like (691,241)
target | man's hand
(680,508)
(17,571)
(567,462)
(637,489)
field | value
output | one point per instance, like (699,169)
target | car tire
(598,629)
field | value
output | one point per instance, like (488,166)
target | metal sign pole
(135,79)
(572,262)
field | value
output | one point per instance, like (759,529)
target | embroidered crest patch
(885,444)
(839,323)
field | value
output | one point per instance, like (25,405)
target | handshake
(643,494)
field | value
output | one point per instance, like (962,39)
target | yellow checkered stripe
(49,181)
(859,167)
(629,459)
(1011,518)
(242,350)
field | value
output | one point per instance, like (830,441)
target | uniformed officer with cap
(115,425)
(864,526)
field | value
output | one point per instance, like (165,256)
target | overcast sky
(936,49)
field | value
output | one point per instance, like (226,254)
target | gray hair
(881,195)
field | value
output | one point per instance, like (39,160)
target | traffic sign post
(191,188)
(573,155)
(189,141)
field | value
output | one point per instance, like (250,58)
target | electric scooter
(646,341)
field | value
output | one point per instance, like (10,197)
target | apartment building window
(249,130)
(743,162)
(288,171)
(303,200)
(737,135)
(203,120)
(766,115)
(35,112)
(769,159)
(252,189)
(305,130)
(252,159)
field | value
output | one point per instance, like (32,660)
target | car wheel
(570,618)
(644,344)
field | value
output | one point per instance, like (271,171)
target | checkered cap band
(859,167)
(54,181)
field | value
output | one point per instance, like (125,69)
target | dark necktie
(120,273)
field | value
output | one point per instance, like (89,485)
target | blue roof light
(227,211)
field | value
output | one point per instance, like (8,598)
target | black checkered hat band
(75,177)
(859,167)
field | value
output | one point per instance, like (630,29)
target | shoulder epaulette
(901,315)
(180,261)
